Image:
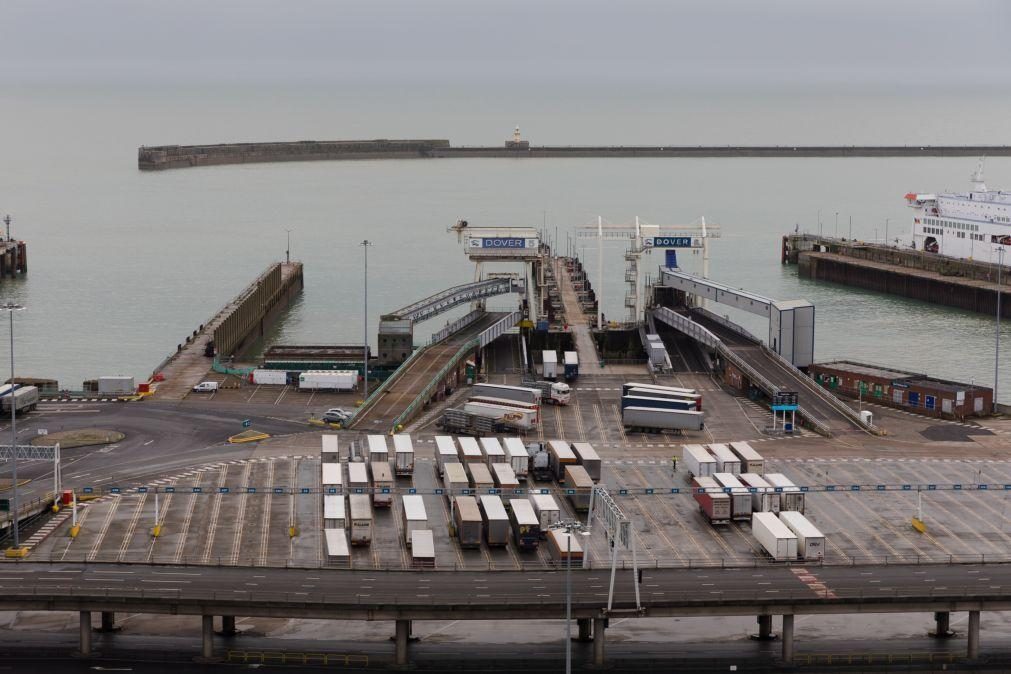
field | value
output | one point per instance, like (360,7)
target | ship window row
(952,224)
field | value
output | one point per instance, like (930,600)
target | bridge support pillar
(108,622)
(84,649)
(764,628)
(207,632)
(973,647)
(788,639)
(403,634)
(228,626)
(942,620)
(598,641)
(584,625)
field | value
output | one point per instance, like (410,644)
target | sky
(891,43)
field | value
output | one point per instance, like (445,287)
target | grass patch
(83,437)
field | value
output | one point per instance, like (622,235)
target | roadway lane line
(124,547)
(265,520)
(148,443)
(240,518)
(113,505)
(185,528)
(212,522)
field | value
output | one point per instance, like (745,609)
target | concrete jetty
(155,158)
(966,284)
(232,330)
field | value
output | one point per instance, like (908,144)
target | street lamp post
(996,350)
(10,308)
(837,224)
(365,330)
(287,251)
(570,527)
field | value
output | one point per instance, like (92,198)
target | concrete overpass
(403,596)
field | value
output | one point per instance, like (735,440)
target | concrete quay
(232,330)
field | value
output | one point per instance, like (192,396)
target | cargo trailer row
(788,537)
(735,458)
(764,499)
(740,496)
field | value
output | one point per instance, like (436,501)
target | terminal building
(904,390)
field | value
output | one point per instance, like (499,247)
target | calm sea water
(124,264)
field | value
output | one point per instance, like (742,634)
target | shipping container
(810,541)
(332,477)
(504,476)
(550,364)
(422,549)
(480,477)
(116,385)
(470,450)
(751,461)
(774,536)
(334,516)
(382,479)
(546,509)
(656,419)
(571,359)
(493,452)
(656,387)
(496,521)
(726,461)
(588,458)
(521,394)
(764,500)
(468,521)
(564,546)
(445,452)
(360,508)
(790,495)
(454,479)
(414,515)
(327,380)
(358,478)
(403,450)
(714,505)
(378,450)
(697,461)
(525,524)
(660,403)
(330,451)
(560,455)
(337,552)
(264,377)
(518,456)
(578,479)
(740,497)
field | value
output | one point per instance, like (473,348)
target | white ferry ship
(972,225)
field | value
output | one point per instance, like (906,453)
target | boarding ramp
(766,369)
(791,322)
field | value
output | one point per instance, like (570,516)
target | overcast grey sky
(931,43)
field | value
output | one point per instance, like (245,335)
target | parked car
(336,415)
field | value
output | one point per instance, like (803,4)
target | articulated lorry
(552,392)
(25,398)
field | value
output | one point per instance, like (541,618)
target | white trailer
(120,384)
(751,461)
(361,519)
(264,377)
(810,541)
(740,497)
(337,552)
(790,495)
(493,451)
(445,452)
(726,461)
(496,521)
(403,450)
(382,483)
(504,476)
(657,387)
(518,457)
(358,478)
(550,364)
(697,461)
(520,418)
(330,450)
(378,450)
(480,476)
(332,477)
(327,380)
(334,516)
(658,419)
(560,455)
(415,517)
(765,499)
(454,479)
(774,536)
(546,509)
(571,362)
(588,458)
(422,549)
(521,394)
(470,450)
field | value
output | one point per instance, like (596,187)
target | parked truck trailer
(774,536)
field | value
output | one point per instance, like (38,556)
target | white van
(206,387)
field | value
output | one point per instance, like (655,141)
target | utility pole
(886,230)
(851,228)
(996,350)
(10,308)
(837,224)
(365,330)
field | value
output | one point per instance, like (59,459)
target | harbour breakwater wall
(928,277)
(154,158)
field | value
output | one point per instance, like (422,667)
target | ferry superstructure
(969,225)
